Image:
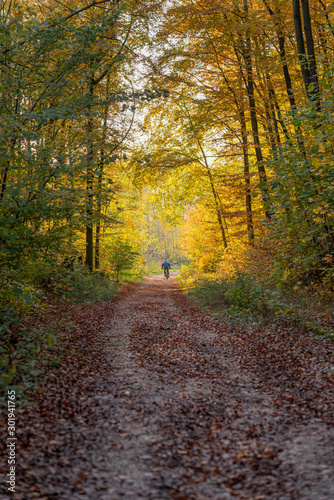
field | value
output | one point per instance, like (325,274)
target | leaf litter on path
(156,400)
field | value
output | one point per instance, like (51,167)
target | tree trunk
(314,92)
(4,180)
(301,46)
(327,11)
(97,241)
(249,215)
(281,45)
(218,208)
(213,189)
(89,187)
(273,103)
(239,105)
(246,49)
(268,109)
(100,178)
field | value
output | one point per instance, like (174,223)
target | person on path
(166,266)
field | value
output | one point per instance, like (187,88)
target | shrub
(74,282)
(122,257)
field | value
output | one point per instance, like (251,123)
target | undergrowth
(242,299)
(73,283)
(27,351)
(28,345)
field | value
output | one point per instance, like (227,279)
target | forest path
(190,422)
(159,401)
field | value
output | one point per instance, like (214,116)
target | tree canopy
(187,129)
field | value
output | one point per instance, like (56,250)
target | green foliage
(16,299)
(23,348)
(90,287)
(122,257)
(239,290)
(71,281)
(151,269)
(243,291)
(26,351)
(241,298)
(303,200)
(45,104)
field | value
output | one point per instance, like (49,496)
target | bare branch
(93,4)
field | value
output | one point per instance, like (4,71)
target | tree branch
(93,4)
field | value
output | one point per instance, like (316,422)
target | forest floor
(156,400)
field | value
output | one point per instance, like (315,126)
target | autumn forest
(196,131)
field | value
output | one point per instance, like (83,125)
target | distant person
(166,266)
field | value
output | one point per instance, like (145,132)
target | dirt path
(190,423)
(184,417)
